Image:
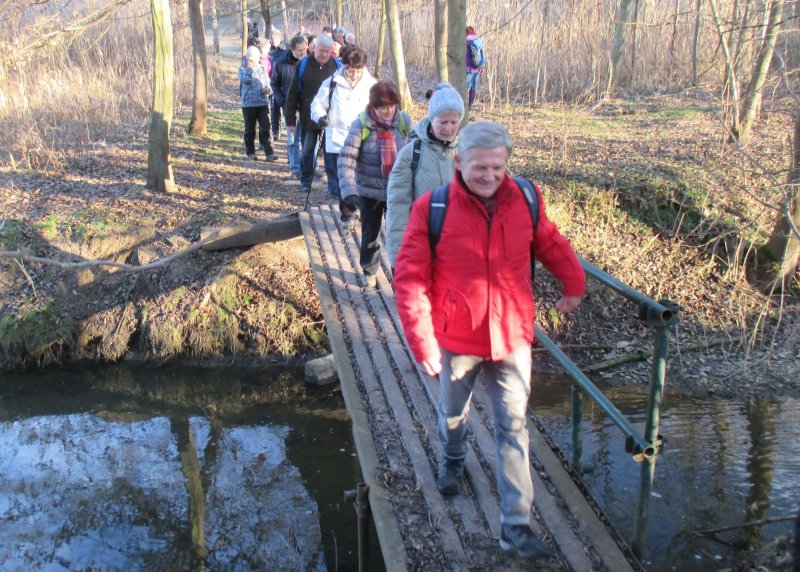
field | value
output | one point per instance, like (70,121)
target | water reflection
(721,466)
(139,469)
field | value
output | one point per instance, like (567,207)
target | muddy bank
(250,305)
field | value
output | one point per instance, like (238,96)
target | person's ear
(457,162)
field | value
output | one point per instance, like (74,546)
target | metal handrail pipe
(655,310)
(648,450)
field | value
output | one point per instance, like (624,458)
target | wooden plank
(392,547)
(443,526)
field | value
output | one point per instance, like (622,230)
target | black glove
(323,121)
(350,202)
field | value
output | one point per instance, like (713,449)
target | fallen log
(243,235)
(642,354)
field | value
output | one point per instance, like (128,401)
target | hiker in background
(476,59)
(277,50)
(311,71)
(365,161)
(338,102)
(328,30)
(425,163)
(312,44)
(338,35)
(467,307)
(254,88)
(350,39)
(282,73)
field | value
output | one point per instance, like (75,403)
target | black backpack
(441,195)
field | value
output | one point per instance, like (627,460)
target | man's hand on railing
(568,304)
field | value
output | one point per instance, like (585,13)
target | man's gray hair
(324,41)
(482,135)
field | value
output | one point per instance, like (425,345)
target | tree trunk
(214,25)
(440,38)
(159,165)
(245,31)
(538,89)
(696,42)
(733,82)
(381,40)
(634,30)
(752,102)
(457,49)
(265,13)
(673,41)
(398,59)
(777,261)
(617,45)
(284,21)
(198,122)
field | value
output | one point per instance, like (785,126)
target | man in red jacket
(468,307)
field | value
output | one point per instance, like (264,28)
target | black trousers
(372,211)
(260,115)
(276,116)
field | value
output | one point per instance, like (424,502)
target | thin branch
(750,524)
(19,255)
(19,53)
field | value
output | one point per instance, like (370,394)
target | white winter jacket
(345,105)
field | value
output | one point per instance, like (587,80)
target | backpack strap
(531,193)
(416,151)
(364,129)
(439,198)
(330,94)
(301,69)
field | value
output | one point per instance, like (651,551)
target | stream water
(163,469)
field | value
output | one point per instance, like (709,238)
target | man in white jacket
(337,104)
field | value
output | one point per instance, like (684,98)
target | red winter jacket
(474,297)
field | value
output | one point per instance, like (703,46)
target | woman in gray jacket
(365,161)
(433,166)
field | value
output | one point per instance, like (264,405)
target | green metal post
(651,435)
(577,429)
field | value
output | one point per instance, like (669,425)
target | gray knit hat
(445,98)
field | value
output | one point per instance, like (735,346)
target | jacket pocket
(457,313)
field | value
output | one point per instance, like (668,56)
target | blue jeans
(332,170)
(293,139)
(509,384)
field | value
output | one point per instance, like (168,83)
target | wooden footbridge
(393,408)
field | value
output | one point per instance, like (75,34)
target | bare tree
(617,45)
(696,42)
(457,48)
(381,40)
(398,59)
(245,30)
(440,38)
(777,261)
(159,164)
(752,100)
(214,24)
(732,80)
(267,15)
(198,123)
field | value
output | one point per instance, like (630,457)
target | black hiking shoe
(521,539)
(450,474)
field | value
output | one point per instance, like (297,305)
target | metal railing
(644,446)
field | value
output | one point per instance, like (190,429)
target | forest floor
(645,188)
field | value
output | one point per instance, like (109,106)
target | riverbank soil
(647,189)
